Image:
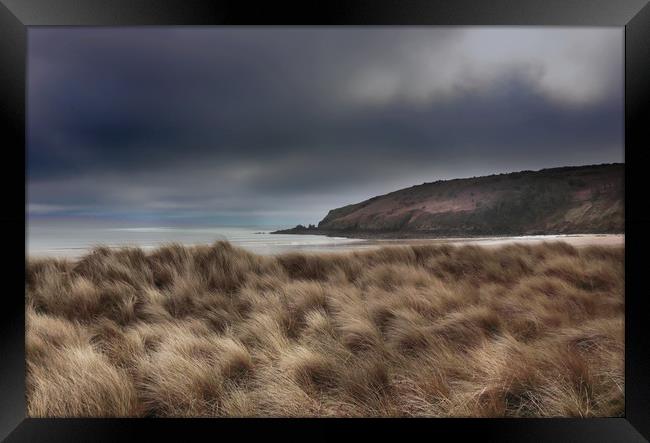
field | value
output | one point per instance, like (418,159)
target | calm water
(59,239)
(72,240)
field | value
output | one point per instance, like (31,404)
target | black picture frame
(17,15)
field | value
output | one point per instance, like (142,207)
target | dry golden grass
(403,331)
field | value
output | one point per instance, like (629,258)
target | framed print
(265,218)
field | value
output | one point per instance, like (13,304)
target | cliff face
(585,199)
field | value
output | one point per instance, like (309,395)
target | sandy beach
(577,240)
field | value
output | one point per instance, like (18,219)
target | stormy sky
(275,126)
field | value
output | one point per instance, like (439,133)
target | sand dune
(434,330)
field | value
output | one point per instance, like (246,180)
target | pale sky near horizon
(278,125)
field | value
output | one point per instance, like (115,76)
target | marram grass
(433,331)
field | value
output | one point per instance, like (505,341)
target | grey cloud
(175,120)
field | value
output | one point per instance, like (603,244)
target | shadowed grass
(402,331)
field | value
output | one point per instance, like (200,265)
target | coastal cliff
(566,200)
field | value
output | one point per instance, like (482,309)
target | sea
(72,240)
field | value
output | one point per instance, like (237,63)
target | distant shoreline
(361,244)
(423,235)
(577,240)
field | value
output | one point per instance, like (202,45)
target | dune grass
(403,331)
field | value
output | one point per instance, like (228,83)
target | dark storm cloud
(294,121)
